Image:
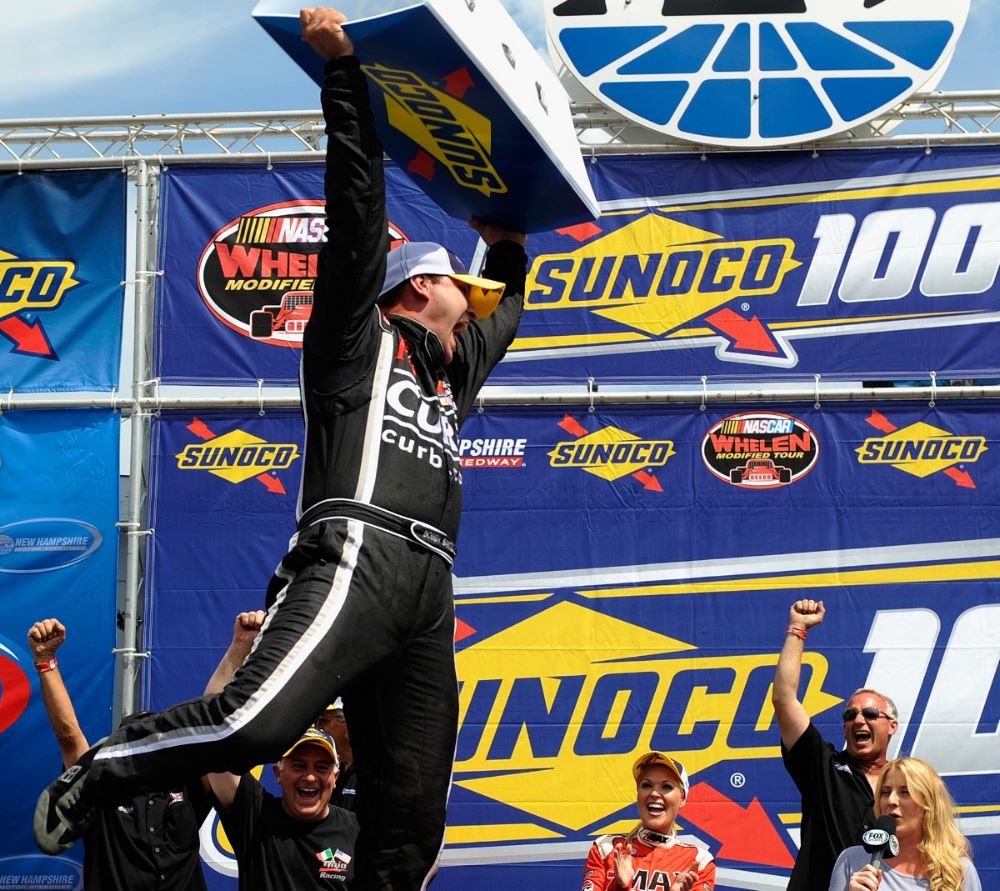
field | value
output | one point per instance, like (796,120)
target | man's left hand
(491,233)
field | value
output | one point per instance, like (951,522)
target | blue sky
(71,58)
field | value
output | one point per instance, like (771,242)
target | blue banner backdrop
(623,583)
(736,267)
(223,491)
(62,262)
(239,252)
(58,558)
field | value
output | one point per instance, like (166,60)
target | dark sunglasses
(869,714)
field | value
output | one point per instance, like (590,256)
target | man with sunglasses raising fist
(837,786)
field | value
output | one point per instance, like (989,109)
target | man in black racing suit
(362,603)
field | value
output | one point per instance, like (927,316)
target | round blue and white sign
(753,73)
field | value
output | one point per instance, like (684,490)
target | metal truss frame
(943,118)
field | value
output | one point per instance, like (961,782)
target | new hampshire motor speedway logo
(237,456)
(257,273)
(753,72)
(44,544)
(490,453)
(760,450)
(34,872)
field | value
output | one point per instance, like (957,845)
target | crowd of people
(307,836)
(397,347)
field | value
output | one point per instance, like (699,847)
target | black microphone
(880,841)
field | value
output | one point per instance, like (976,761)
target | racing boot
(64,810)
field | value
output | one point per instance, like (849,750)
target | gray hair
(890,706)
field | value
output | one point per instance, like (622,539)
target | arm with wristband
(44,638)
(793,719)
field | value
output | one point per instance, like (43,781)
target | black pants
(368,615)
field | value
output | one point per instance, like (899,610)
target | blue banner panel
(58,558)
(623,583)
(239,253)
(223,491)
(62,262)
(853,265)
(850,264)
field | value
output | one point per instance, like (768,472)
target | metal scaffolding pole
(584,394)
(135,529)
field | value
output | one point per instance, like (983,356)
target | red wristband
(798,632)
(48,665)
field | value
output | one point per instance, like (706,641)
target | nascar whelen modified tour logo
(753,72)
(28,286)
(760,450)
(921,449)
(258,272)
(237,456)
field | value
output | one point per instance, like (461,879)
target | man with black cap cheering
(393,357)
(297,840)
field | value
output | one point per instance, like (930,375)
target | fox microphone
(880,841)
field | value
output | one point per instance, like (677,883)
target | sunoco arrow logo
(611,453)
(921,450)
(544,726)
(656,275)
(30,286)
(237,456)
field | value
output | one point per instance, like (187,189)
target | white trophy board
(466,106)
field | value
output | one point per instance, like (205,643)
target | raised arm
(245,630)
(484,343)
(793,719)
(44,639)
(352,262)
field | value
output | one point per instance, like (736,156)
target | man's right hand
(805,614)
(321,30)
(44,638)
(248,625)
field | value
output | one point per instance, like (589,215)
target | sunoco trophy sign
(466,107)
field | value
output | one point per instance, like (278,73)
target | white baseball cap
(428,258)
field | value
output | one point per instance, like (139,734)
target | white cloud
(69,45)
(529,15)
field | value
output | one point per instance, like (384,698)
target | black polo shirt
(149,843)
(345,792)
(277,853)
(837,807)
